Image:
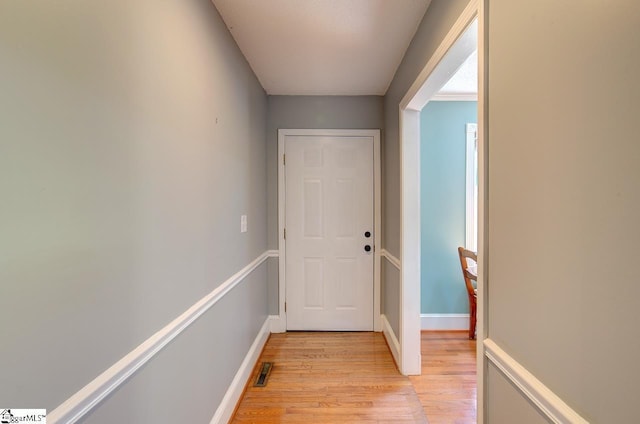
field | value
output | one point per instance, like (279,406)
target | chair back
(467,272)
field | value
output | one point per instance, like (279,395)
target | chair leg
(472,321)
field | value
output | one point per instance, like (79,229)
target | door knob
(367,248)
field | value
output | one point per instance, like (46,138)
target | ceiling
(465,80)
(323,47)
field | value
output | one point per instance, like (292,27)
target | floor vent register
(263,376)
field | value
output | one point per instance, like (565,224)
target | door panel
(328,209)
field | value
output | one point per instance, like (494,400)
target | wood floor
(351,378)
(330,378)
(447,386)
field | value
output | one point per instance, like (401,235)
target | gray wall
(389,281)
(513,407)
(190,371)
(437,21)
(131,141)
(296,112)
(564,199)
(435,25)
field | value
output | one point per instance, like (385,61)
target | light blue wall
(443,141)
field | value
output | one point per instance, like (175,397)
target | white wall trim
(455,97)
(460,42)
(482,318)
(277,325)
(550,404)
(282,246)
(392,340)
(444,321)
(410,242)
(236,388)
(471,200)
(392,259)
(87,398)
(377,228)
(272,253)
(377,208)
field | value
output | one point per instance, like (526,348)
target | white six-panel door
(329,209)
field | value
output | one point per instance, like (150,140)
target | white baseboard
(278,324)
(392,340)
(551,405)
(236,388)
(444,321)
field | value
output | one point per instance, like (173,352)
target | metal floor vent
(263,376)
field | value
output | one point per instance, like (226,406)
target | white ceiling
(465,80)
(323,47)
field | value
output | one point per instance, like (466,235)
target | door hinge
(285,233)
(285,306)
(284,159)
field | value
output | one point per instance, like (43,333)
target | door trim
(377,208)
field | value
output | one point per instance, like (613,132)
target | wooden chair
(469,275)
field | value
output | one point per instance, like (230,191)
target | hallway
(330,378)
(351,377)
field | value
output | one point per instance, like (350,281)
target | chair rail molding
(390,258)
(550,404)
(392,340)
(90,396)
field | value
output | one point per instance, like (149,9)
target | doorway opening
(461,41)
(456,46)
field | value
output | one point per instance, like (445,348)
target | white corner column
(410,363)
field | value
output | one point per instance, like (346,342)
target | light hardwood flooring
(351,378)
(447,386)
(330,378)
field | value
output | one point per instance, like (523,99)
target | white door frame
(471,197)
(431,78)
(377,208)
